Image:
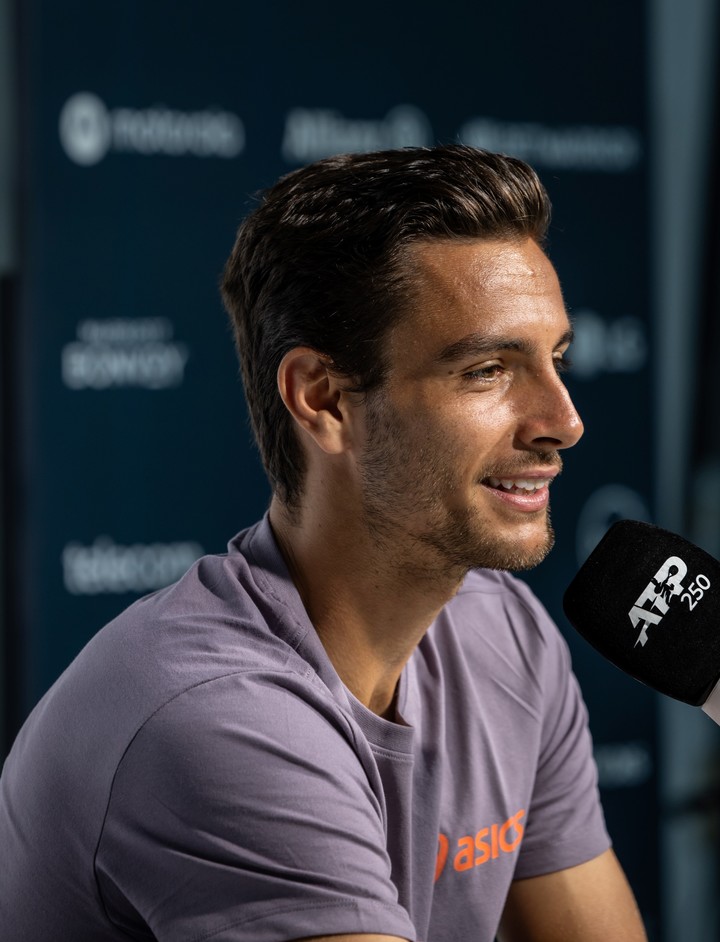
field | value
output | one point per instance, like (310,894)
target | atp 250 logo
(666,585)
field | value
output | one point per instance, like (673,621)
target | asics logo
(474,850)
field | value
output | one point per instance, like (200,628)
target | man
(355,725)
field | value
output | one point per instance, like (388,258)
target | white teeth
(523,484)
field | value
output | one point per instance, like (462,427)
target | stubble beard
(403,484)
(471,543)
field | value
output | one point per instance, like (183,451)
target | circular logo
(604,507)
(85,129)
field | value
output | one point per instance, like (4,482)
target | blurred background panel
(135,137)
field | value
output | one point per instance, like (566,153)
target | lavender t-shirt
(200,772)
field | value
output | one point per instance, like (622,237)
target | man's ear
(315,398)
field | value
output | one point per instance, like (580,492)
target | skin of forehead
(488,277)
(457,267)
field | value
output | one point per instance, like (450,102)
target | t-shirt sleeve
(565,825)
(242,811)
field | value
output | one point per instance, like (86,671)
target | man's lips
(523,480)
(525,490)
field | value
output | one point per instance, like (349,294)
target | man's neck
(369,609)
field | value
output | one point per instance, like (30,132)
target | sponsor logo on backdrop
(313,133)
(613,149)
(602,346)
(124,352)
(106,567)
(89,131)
(623,764)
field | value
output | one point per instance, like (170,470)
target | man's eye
(562,363)
(485,372)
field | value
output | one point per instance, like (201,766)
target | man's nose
(551,419)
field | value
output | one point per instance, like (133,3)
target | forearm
(589,903)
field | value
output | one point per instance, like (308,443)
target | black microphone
(649,601)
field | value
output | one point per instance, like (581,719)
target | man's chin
(471,544)
(521,563)
(515,555)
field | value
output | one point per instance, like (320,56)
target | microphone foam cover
(649,601)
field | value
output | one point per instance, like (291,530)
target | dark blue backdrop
(145,129)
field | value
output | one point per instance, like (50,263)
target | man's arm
(588,903)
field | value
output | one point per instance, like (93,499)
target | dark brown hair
(322,263)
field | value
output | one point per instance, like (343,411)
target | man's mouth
(518,485)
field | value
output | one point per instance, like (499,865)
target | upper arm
(253,796)
(588,903)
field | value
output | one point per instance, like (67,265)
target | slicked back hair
(322,262)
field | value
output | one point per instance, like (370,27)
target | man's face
(462,439)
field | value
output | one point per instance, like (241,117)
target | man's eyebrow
(480,344)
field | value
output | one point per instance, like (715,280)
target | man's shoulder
(225,616)
(241,602)
(216,639)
